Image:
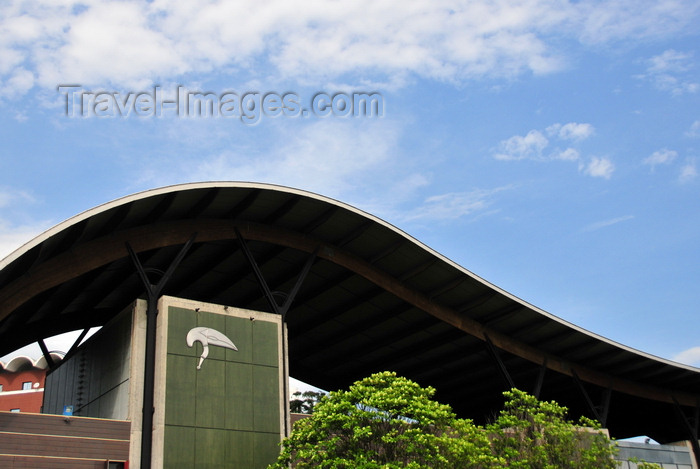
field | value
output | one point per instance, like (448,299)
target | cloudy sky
(550,146)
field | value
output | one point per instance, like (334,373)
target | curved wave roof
(22,363)
(374,299)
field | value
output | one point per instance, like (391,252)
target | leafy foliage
(645,465)
(533,434)
(385,421)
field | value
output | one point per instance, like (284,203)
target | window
(115,465)
(14,410)
(0,387)
(27,386)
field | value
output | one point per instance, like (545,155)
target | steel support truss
(281,309)
(600,412)
(152,294)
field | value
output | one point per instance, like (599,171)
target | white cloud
(532,145)
(605,223)
(5,198)
(663,156)
(130,43)
(518,147)
(14,234)
(571,131)
(669,61)
(17,84)
(553,130)
(569,154)
(689,171)
(345,160)
(331,157)
(574,131)
(12,237)
(599,167)
(689,357)
(603,22)
(694,130)
(672,71)
(21,116)
(10,196)
(113,43)
(452,205)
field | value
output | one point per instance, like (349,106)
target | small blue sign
(68,410)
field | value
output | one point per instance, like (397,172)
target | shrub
(535,434)
(386,421)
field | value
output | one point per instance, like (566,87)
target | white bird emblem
(208,336)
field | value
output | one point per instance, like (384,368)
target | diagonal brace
(600,414)
(77,342)
(497,358)
(607,394)
(269,296)
(47,355)
(540,379)
(276,307)
(153,291)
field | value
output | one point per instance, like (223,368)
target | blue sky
(550,147)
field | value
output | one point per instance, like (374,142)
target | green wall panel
(179,449)
(180,321)
(239,383)
(240,331)
(266,415)
(242,449)
(265,350)
(211,394)
(266,448)
(211,448)
(229,409)
(181,391)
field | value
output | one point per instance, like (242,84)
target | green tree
(534,434)
(304,402)
(385,421)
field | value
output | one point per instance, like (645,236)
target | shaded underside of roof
(374,299)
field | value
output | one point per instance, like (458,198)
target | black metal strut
(281,309)
(493,351)
(540,379)
(152,294)
(77,342)
(47,354)
(600,413)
